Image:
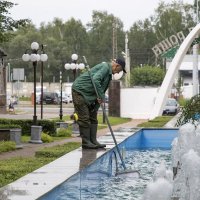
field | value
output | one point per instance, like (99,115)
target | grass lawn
(14,168)
(157,122)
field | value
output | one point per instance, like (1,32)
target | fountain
(184,182)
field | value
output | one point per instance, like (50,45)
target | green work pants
(87,114)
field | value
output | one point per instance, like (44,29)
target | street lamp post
(43,58)
(61,110)
(34,57)
(74,66)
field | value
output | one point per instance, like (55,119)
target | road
(24,110)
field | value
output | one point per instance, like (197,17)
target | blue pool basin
(77,186)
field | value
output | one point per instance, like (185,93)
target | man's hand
(100,101)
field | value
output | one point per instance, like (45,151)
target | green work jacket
(101,74)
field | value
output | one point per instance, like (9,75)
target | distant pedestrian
(11,104)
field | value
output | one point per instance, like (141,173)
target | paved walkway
(29,149)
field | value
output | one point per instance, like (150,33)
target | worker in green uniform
(85,100)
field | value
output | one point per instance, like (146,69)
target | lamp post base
(36,132)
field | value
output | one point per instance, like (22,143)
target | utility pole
(8,70)
(2,83)
(195,75)
(127,59)
(114,42)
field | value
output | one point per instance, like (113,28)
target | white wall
(187,91)
(186,64)
(137,103)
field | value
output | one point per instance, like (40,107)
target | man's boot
(93,136)
(85,134)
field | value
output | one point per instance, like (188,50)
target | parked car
(65,97)
(171,107)
(51,98)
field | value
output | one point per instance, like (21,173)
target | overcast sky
(129,11)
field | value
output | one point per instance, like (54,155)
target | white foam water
(184,183)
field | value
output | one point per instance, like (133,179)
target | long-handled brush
(136,172)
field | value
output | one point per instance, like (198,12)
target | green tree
(95,41)
(63,39)
(17,46)
(101,37)
(147,76)
(7,24)
(168,19)
(171,18)
(141,39)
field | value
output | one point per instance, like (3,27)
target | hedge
(47,125)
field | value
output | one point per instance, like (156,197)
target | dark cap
(122,63)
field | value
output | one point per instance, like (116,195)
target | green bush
(190,112)
(7,146)
(147,75)
(46,138)
(9,126)
(47,125)
(63,132)
(57,151)
(182,101)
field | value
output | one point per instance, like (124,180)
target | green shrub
(7,146)
(190,112)
(147,75)
(57,151)
(182,101)
(9,126)
(47,125)
(46,138)
(63,132)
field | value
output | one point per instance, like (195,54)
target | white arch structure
(171,73)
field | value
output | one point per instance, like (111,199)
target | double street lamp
(74,66)
(35,57)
